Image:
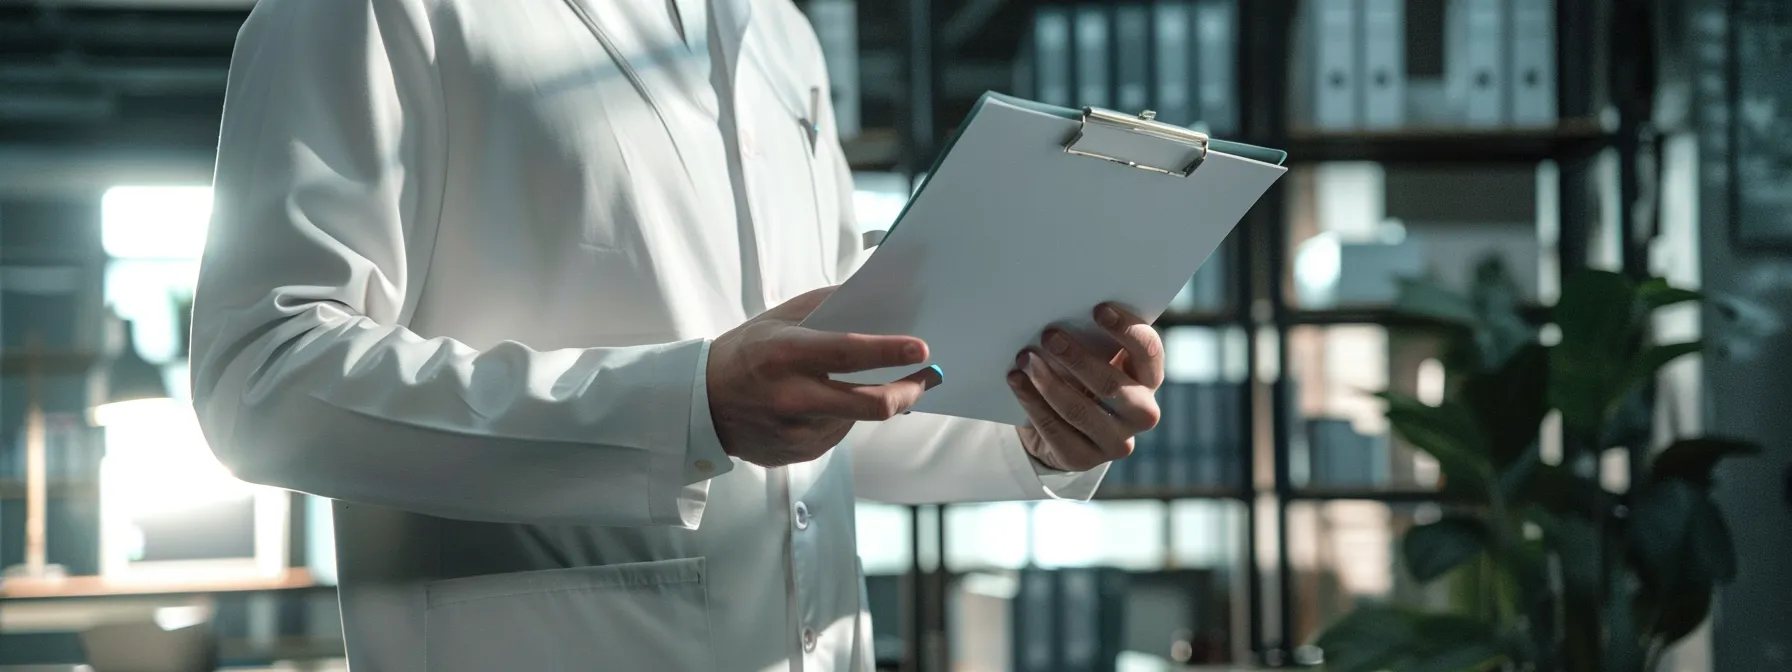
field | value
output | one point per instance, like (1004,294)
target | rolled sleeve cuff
(702,459)
(1046,482)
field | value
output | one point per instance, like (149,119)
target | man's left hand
(1083,408)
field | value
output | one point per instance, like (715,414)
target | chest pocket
(791,180)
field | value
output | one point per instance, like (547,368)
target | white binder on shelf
(1093,70)
(1033,216)
(1132,47)
(1475,61)
(1384,63)
(1533,71)
(1174,59)
(836,25)
(1052,55)
(1337,86)
(1217,35)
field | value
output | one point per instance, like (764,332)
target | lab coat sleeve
(331,162)
(925,459)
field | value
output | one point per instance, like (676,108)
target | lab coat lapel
(669,70)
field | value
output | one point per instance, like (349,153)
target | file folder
(1052,55)
(1132,71)
(1384,63)
(1337,91)
(1093,73)
(1174,61)
(1031,217)
(1218,40)
(1475,65)
(1533,74)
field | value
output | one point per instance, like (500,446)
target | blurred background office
(1458,168)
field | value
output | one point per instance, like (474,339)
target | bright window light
(155,222)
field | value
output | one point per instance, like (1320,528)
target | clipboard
(1032,216)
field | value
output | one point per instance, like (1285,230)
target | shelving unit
(1601,98)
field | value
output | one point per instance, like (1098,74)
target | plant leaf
(1448,433)
(1652,358)
(1631,423)
(1374,638)
(1589,366)
(1469,657)
(1510,401)
(1427,299)
(1693,460)
(1559,491)
(1624,645)
(1368,639)
(1580,384)
(1595,312)
(1577,546)
(1434,549)
(1515,478)
(1682,614)
(1708,542)
(1660,522)
(1656,294)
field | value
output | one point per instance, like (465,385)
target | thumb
(798,308)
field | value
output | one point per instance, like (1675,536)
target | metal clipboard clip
(1155,146)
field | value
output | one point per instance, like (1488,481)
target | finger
(1108,434)
(799,307)
(1070,449)
(832,399)
(830,352)
(1127,398)
(1144,348)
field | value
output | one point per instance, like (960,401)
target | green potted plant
(1568,577)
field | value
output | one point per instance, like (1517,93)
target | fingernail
(1020,361)
(912,351)
(1057,343)
(1107,316)
(939,377)
(1016,379)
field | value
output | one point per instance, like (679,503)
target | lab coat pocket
(635,616)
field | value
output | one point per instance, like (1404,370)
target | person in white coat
(516,283)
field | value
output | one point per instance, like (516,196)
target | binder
(1384,63)
(1218,45)
(1142,472)
(1234,434)
(1474,63)
(1093,83)
(1035,630)
(1177,423)
(1533,68)
(1052,55)
(1132,72)
(1205,441)
(836,24)
(1174,59)
(1337,92)
(1033,216)
(1079,620)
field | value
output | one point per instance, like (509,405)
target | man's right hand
(770,396)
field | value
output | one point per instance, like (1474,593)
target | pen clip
(812,123)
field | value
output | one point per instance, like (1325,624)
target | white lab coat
(464,264)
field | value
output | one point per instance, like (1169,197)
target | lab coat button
(704,466)
(802,516)
(809,639)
